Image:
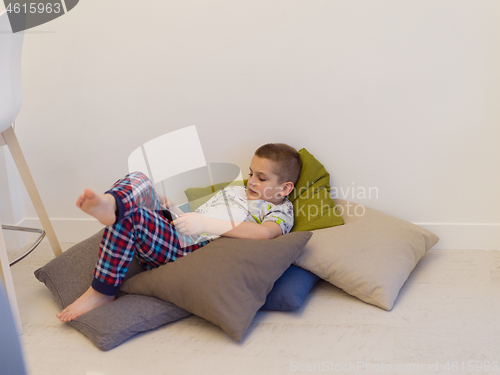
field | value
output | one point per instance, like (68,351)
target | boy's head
(274,171)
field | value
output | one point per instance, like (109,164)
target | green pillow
(313,206)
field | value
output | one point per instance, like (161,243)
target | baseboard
(452,236)
(465,236)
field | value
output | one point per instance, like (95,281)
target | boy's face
(263,183)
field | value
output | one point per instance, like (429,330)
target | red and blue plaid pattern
(140,228)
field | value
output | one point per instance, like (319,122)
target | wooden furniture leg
(15,149)
(6,279)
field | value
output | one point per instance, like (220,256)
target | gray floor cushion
(69,275)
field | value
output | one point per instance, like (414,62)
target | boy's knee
(138,174)
(140,177)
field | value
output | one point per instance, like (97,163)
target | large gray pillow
(70,274)
(226,282)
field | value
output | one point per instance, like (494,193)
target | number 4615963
(34,8)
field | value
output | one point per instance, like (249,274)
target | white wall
(401,96)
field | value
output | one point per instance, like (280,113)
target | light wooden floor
(448,313)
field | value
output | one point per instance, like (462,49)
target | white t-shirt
(231,204)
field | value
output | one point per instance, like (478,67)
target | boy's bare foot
(100,206)
(87,301)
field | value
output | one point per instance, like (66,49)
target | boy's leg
(144,232)
(136,228)
(109,208)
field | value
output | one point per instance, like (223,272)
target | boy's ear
(287,188)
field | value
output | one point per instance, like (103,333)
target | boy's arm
(264,231)
(193,223)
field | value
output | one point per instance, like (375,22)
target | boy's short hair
(287,163)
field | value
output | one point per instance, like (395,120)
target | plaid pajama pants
(140,229)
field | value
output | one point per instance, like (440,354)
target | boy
(131,210)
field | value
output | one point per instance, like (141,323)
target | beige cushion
(226,282)
(370,256)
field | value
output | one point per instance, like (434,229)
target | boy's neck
(281,201)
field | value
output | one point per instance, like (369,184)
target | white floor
(446,319)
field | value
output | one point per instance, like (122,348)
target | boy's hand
(164,201)
(191,223)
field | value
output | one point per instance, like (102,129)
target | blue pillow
(290,290)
